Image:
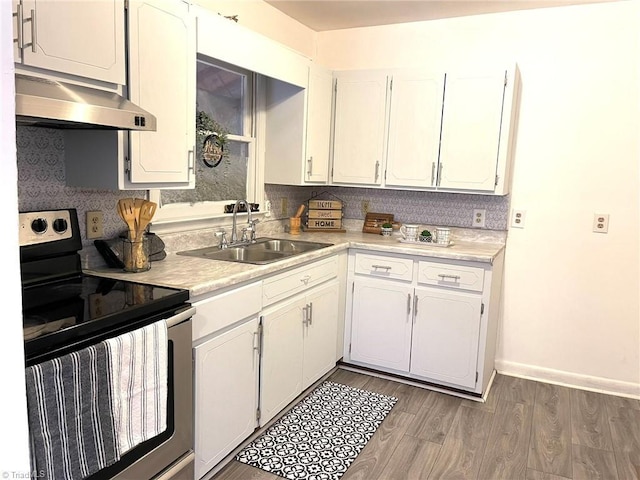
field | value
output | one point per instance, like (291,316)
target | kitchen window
(226,95)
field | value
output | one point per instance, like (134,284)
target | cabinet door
(320,333)
(414,129)
(226,393)
(282,353)
(319,99)
(162,66)
(445,336)
(471,123)
(381,324)
(360,123)
(78,38)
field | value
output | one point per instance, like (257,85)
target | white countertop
(201,275)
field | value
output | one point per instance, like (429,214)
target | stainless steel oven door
(170,459)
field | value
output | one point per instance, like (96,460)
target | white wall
(571,297)
(14,447)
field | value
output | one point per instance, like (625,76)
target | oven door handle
(180,317)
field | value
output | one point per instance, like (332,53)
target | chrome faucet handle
(223,242)
(252,228)
(245,237)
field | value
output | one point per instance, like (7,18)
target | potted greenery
(425,236)
(386,229)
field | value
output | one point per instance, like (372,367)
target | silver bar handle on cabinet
(408,306)
(439,175)
(415,308)
(34,32)
(310,312)
(191,160)
(20,21)
(444,276)
(377,170)
(310,166)
(305,314)
(383,267)
(433,171)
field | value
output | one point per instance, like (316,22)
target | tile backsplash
(41,185)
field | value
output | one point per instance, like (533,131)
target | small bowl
(426,238)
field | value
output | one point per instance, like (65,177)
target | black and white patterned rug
(322,435)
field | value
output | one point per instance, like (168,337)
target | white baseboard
(569,379)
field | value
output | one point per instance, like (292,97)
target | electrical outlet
(267,208)
(284,206)
(601,222)
(95,226)
(518,217)
(479,216)
(365,207)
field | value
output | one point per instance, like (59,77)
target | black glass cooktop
(67,311)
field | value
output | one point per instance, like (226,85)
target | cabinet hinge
(353,287)
(126,4)
(127,166)
(481,308)
(505,78)
(391,84)
(260,333)
(497,178)
(331,173)
(385,174)
(476,377)
(257,414)
(349,349)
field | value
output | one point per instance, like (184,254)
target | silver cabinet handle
(377,170)
(20,21)
(384,267)
(444,276)
(310,166)
(439,174)
(34,32)
(305,314)
(408,305)
(415,308)
(256,340)
(310,312)
(191,164)
(433,171)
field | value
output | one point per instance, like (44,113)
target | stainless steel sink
(265,250)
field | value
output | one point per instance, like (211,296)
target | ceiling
(321,15)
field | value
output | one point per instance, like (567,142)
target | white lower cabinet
(226,365)
(380,334)
(298,346)
(424,318)
(226,393)
(446,327)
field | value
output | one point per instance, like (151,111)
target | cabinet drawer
(297,280)
(451,275)
(220,311)
(383,266)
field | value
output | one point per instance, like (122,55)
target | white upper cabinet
(162,69)
(360,127)
(85,39)
(319,102)
(298,129)
(471,124)
(414,129)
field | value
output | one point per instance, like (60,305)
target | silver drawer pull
(305,279)
(444,276)
(383,267)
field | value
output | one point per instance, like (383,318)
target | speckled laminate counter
(201,276)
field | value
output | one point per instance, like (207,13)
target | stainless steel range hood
(49,103)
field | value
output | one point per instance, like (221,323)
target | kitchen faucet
(250,221)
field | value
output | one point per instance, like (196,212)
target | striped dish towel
(139,375)
(70,415)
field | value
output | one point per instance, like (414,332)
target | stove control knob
(39,225)
(60,225)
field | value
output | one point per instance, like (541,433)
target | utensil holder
(135,255)
(294,225)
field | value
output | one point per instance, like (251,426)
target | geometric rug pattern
(322,435)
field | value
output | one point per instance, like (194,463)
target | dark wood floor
(527,430)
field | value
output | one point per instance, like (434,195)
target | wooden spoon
(147,210)
(126,209)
